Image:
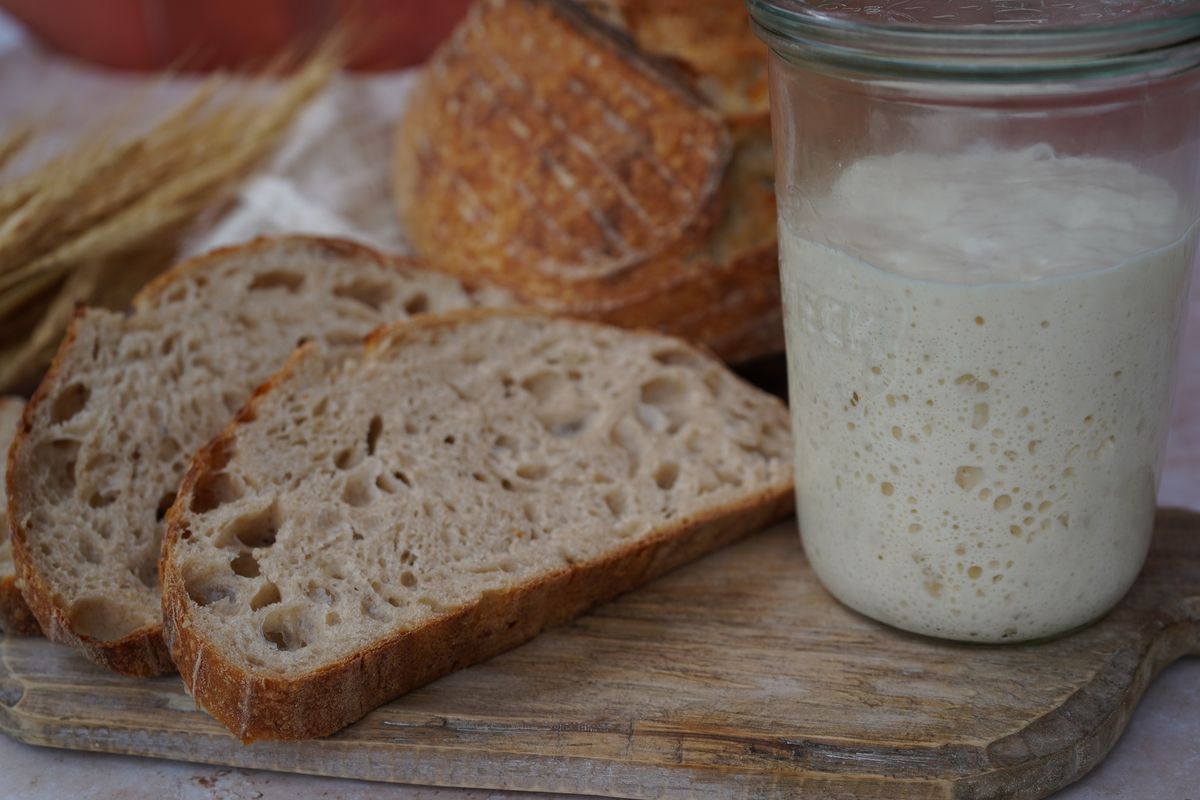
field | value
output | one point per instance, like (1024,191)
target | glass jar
(987,220)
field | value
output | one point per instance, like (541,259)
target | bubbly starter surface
(980,395)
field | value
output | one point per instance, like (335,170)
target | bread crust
(568,177)
(142,652)
(260,706)
(689,282)
(714,41)
(15,617)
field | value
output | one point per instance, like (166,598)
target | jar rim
(808,32)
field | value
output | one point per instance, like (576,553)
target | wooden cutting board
(734,677)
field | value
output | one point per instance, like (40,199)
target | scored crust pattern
(503,164)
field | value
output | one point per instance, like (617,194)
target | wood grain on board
(735,677)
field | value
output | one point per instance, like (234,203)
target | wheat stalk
(13,143)
(107,196)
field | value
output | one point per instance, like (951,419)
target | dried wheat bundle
(95,222)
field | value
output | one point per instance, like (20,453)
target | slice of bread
(129,398)
(368,525)
(15,617)
(548,151)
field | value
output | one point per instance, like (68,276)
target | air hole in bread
(666,475)
(731,478)
(504,442)
(70,401)
(672,357)
(374,429)
(277,279)
(533,472)
(506,485)
(332,618)
(407,557)
(178,294)
(565,430)
(416,304)
(245,565)
(88,552)
(220,453)
(99,499)
(652,417)
(255,529)
(543,385)
(204,590)
(668,395)
(147,573)
(714,383)
(101,619)
(410,427)
(408,579)
(320,408)
(372,294)
(355,536)
(168,449)
(356,492)
(267,595)
(319,593)
(773,434)
(57,459)
(370,606)
(348,458)
(616,503)
(168,344)
(754,449)
(283,629)
(213,490)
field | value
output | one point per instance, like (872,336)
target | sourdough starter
(980,393)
